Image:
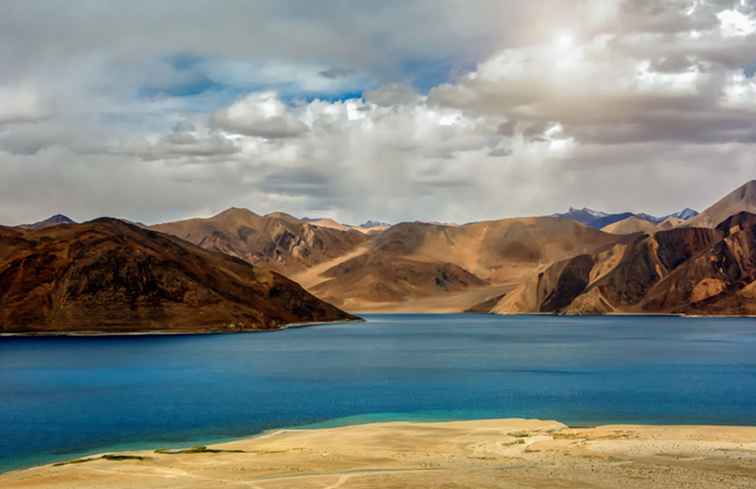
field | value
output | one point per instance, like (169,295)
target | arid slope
(110,276)
(683,270)
(279,241)
(412,261)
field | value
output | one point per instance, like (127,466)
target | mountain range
(600,220)
(110,276)
(580,262)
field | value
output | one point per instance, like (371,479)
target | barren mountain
(631,225)
(684,270)
(369,227)
(411,261)
(741,199)
(110,276)
(276,240)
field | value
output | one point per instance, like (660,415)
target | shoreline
(535,453)
(168,332)
(347,422)
(85,334)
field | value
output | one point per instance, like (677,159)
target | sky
(436,110)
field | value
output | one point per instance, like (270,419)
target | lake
(61,397)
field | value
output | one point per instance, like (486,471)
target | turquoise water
(63,397)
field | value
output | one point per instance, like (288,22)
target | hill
(416,260)
(279,241)
(631,225)
(110,276)
(683,270)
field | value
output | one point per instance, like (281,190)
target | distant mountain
(631,225)
(684,214)
(277,240)
(585,215)
(374,224)
(739,200)
(369,227)
(683,270)
(599,220)
(414,260)
(56,220)
(110,276)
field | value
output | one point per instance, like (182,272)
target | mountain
(682,270)
(110,276)
(374,224)
(741,199)
(670,223)
(277,240)
(631,225)
(369,227)
(56,220)
(685,214)
(600,220)
(458,265)
(327,222)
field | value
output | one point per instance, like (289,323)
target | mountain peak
(54,220)
(236,212)
(373,224)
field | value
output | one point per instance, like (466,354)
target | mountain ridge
(107,275)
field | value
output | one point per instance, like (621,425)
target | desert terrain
(512,453)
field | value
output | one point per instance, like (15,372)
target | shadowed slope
(110,276)
(684,270)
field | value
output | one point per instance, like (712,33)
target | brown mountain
(278,240)
(110,276)
(684,270)
(457,265)
(739,200)
(631,225)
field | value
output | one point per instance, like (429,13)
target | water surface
(64,396)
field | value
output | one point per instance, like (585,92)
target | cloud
(388,110)
(260,115)
(21,105)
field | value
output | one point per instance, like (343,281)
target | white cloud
(21,104)
(736,24)
(262,115)
(469,112)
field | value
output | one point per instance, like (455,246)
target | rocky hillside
(416,260)
(683,270)
(278,240)
(110,276)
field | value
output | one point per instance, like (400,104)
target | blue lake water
(62,397)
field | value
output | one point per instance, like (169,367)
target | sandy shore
(470,454)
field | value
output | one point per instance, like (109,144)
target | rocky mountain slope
(279,241)
(110,276)
(417,260)
(683,270)
(741,199)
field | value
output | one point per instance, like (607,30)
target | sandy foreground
(471,454)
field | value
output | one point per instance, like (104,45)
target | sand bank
(469,454)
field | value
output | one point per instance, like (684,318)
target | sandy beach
(510,453)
